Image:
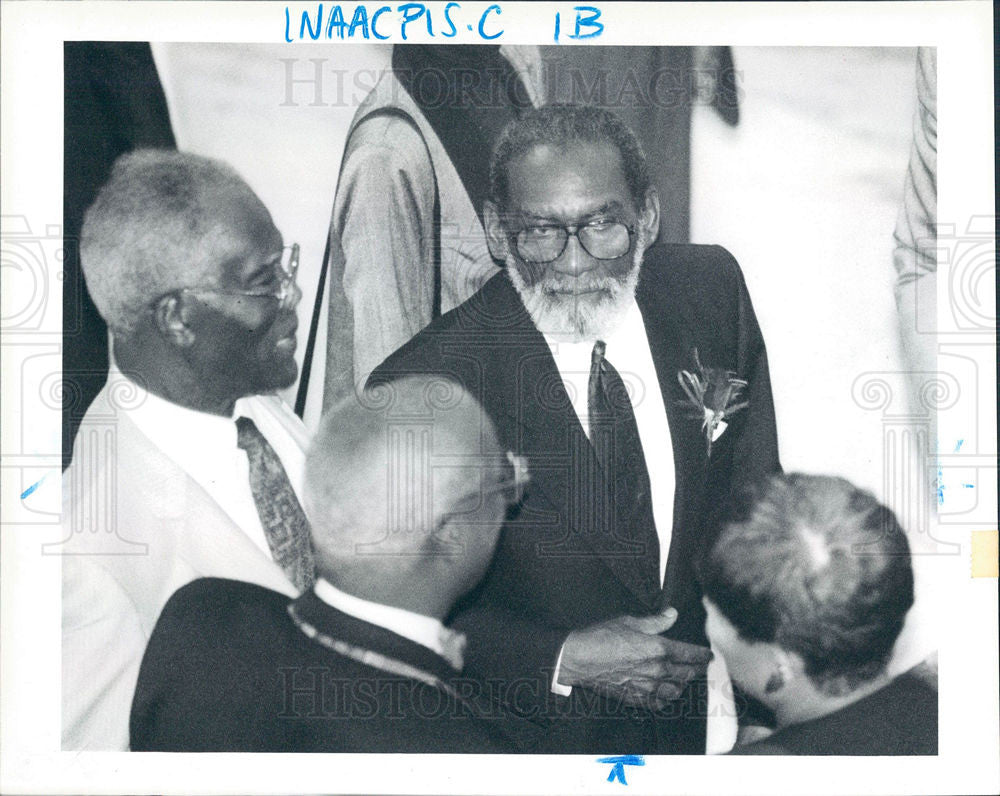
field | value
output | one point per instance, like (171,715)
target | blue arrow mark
(618,763)
(32,488)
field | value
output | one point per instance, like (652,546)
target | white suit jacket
(136,528)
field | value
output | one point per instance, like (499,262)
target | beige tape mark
(984,554)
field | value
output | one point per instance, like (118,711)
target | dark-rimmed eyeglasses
(603,240)
(286,269)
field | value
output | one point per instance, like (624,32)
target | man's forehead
(577,174)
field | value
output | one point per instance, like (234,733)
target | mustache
(607,284)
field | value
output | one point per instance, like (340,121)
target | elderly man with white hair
(186,464)
(406,489)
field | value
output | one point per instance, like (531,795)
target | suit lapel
(670,348)
(218,544)
(204,536)
(530,393)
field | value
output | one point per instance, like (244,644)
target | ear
(444,543)
(496,238)
(649,216)
(171,316)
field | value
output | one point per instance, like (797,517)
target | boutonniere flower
(714,394)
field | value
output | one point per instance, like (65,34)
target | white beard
(583,317)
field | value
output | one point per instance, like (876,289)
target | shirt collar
(175,429)
(155,415)
(419,628)
(618,339)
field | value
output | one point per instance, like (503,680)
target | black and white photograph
(418,386)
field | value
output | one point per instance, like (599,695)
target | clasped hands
(626,658)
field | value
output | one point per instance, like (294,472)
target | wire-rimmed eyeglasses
(507,477)
(286,269)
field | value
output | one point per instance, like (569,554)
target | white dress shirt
(424,630)
(205,447)
(627,349)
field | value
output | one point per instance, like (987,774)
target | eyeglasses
(286,270)
(510,482)
(603,240)
(513,479)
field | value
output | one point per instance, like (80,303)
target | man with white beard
(635,382)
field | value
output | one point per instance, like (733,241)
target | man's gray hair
(562,125)
(149,231)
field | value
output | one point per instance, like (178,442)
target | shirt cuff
(557,687)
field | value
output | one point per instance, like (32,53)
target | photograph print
(489,462)
(586,384)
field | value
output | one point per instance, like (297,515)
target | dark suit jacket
(556,569)
(227,670)
(900,719)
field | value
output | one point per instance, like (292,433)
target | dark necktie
(281,515)
(614,435)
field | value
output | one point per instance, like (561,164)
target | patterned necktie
(281,515)
(614,435)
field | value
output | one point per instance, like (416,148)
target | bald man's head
(404,490)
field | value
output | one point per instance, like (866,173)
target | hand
(627,658)
(748,733)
